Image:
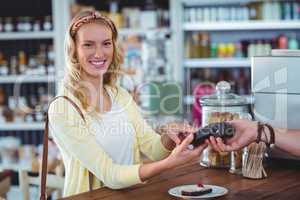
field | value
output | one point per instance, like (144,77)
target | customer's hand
(245,133)
(174,133)
(182,154)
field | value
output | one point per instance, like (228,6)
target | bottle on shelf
(296,10)
(221,50)
(255,11)
(282,42)
(3,65)
(195,46)
(22,62)
(50,60)
(267,47)
(204,47)
(13,65)
(259,48)
(238,50)
(293,42)
(149,14)
(42,59)
(286,10)
(131,17)
(114,14)
(188,46)
(32,65)
(43,98)
(213,50)
(230,50)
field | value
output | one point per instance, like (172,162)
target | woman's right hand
(182,154)
(245,133)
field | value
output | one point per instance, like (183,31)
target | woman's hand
(182,154)
(179,156)
(245,133)
(174,133)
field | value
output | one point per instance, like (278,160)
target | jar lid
(223,97)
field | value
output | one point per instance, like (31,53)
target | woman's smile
(98,63)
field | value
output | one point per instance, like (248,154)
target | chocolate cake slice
(196,190)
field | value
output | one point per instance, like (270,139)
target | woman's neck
(96,94)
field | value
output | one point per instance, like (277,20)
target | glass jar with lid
(219,107)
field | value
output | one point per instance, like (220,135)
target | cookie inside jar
(220,159)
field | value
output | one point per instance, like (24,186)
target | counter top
(283,182)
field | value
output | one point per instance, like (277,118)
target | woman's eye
(107,43)
(87,45)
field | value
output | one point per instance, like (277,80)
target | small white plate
(217,191)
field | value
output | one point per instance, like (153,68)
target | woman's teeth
(98,62)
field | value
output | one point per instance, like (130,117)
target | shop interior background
(172,50)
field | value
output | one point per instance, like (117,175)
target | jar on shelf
(27,26)
(36,26)
(20,24)
(8,25)
(219,107)
(9,150)
(47,25)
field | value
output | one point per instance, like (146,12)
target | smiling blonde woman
(110,135)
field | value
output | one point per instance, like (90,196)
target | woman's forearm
(149,170)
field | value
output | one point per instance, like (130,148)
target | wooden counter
(283,183)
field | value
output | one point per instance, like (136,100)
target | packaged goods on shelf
(25,24)
(145,16)
(145,59)
(264,10)
(9,150)
(199,45)
(20,109)
(15,155)
(27,62)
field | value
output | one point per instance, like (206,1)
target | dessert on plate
(196,190)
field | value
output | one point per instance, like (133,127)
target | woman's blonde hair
(74,70)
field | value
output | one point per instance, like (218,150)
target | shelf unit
(27,79)
(26,35)
(130,31)
(233,30)
(236,26)
(15,167)
(22,126)
(220,62)
(59,18)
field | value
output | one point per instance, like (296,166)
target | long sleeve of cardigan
(71,132)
